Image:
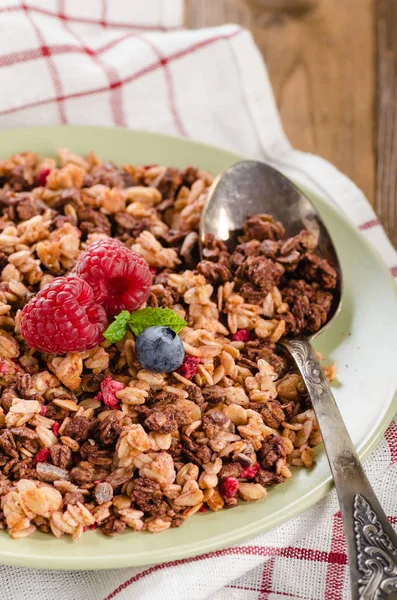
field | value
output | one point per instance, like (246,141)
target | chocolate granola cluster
(91,439)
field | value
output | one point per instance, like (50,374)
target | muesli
(88,437)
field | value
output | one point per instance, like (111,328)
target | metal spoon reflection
(251,187)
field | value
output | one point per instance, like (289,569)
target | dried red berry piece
(43,411)
(250,472)
(41,178)
(55,428)
(202,509)
(119,277)
(109,387)
(229,487)
(42,456)
(63,317)
(3,368)
(242,335)
(189,367)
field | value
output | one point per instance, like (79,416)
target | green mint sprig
(116,330)
(155,317)
(140,320)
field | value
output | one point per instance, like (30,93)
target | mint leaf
(116,331)
(140,320)
(155,317)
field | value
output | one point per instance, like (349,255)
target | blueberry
(159,349)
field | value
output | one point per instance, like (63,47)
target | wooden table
(333,67)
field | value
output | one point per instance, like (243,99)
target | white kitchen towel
(131,64)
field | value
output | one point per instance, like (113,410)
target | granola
(91,439)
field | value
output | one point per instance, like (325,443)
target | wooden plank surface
(386,115)
(320,57)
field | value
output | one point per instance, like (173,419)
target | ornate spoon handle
(371,540)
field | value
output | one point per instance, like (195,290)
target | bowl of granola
(142,390)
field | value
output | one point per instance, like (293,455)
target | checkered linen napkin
(130,64)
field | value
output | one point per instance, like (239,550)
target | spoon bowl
(254,188)
(251,188)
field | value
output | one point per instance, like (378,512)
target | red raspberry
(43,411)
(189,367)
(109,387)
(242,335)
(229,487)
(202,509)
(250,472)
(63,317)
(42,177)
(94,526)
(42,455)
(55,428)
(119,277)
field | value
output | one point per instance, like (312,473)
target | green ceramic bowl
(363,339)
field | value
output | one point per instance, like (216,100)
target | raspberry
(229,487)
(202,509)
(42,455)
(55,428)
(250,472)
(109,387)
(42,177)
(189,367)
(63,317)
(119,277)
(43,410)
(242,335)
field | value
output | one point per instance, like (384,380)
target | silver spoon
(251,187)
